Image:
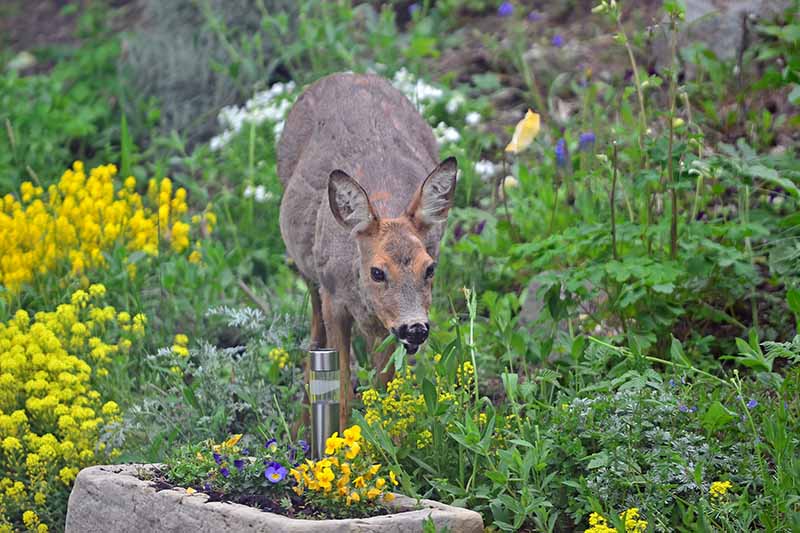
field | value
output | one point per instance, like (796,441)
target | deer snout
(416,333)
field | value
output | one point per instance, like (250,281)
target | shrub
(52,417)
(81,218)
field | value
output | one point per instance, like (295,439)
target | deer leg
(338,328)
(317,323)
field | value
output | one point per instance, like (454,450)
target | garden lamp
(324,393)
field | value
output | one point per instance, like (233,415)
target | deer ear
(349,202)
(434,198)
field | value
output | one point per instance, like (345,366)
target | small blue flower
(586,142)
(217,458)
(752,403)
(245,451)
(692,409)
(239,464)
(413,8)
(561,153)
(275,472)
(534,16)
(672,383)
(479,227)
(558,40)
(224,471)
(683,409)
(207,487)
(506,9)
(271,445)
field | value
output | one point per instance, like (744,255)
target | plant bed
(118,498)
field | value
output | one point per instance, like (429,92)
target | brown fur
(353,158)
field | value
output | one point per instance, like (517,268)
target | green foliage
(49,120)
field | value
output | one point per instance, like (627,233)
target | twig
(613,202)
(256,300)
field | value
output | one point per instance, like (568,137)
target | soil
(300,508)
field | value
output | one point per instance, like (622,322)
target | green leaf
(771,175)
(429,392)
(717,416)
(793,300)
(598,460)
(126,148)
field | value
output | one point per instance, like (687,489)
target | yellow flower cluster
(78,219)
(719,489)
(633,524)
(279,356)
(630,517)
(345,474)
(181,346)
(398,409)
(51,416)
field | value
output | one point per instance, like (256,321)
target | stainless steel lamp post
(325,394)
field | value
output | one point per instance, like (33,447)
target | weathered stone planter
(112,499)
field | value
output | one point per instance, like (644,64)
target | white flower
(451,135)
(485,168)
(260,194)
(473,118)
(248,191)
(454,103)
(219,141)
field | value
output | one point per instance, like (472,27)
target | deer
(362,215)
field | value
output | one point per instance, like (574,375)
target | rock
(718,24)
(112,499)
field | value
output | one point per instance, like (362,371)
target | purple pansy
(224,471)
(752,403)
(683,409)
(558,40)
(239,464)
(275,472)
(506,9)
(534,16)
(272,445)
(217,458)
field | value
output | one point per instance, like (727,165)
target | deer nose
(415,333)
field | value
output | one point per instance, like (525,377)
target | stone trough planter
(112,499)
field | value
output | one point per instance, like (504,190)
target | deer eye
(429,271)
(377,274)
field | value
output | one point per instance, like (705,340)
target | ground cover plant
(615,341)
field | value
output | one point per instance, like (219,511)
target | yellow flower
(719,488)
(30,519)
(233,441)
(353,450)
(380,483)
(373,493)
(353,497)
(633,524)
(524,133)
(352,434)
(11,444)
(388,497)
(393,477)
(333,443)
(190,490)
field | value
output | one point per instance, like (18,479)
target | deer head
(397,255)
